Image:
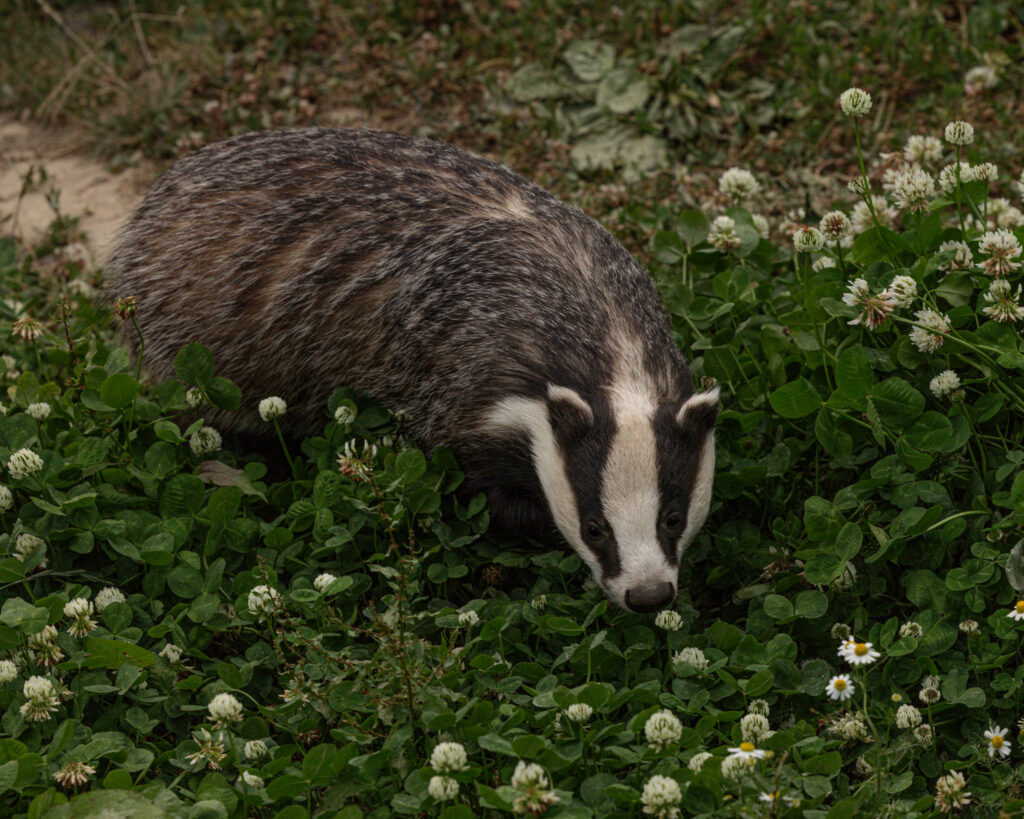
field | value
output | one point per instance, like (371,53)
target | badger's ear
(699,412)
(571,416)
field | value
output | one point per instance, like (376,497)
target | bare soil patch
(87,189)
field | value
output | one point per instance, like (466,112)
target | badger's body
(495,318)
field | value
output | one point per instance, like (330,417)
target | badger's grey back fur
(434,280)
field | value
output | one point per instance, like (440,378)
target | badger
(496,319)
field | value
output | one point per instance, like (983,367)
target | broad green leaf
(795,399)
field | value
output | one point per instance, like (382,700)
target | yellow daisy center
(1020,607)
(997,741)
(839,685)
(860,649)
(747,747)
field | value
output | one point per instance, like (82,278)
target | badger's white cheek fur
(700,495)
(531,416)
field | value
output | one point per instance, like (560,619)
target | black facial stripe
(679,458)
(584,463)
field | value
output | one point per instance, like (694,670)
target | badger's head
(627,480)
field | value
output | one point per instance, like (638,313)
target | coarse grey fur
(434,280)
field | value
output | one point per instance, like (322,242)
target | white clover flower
(738,184)
(907,716)
(850,726)
(808,240)
(834,225)
(1017,612)
(923,734)
(24,463)
(8,671)
(263,599)
(859,186)
(927,338)
(74,774)
(25,544)
(41,698)
(662,729)
(1002,248)
(79,607)
(539,602)
(754,727)
(225,708)
(27,328)
(722,235)
(944,384)
(911,629)
(691,656)
(959,133)
(948,176)
(204,441)
(963,258)
(697,761)
(442,788)
(997,742)
(272,407)
(902,290)
(840,688)
(855,102)
(40,410)
(896,697)
(467,619)
(861,218)
(970,627)
(846,578)
(449,757)
(80,610)
(950,794)
(344,415)
(322,581)
(194,397)
(923,149)
(913,189)
(6,498)
(859,653)
(661,797)
(171,653)
(255,749)
(822,262)
(252,780)
(978,78)
(840,631)
(760,225)
(736,767)
(1001,214)
(669,620)
(529,775)
(930,694)
(986,172)
(874,310)
(108,595)
(531,779)
(579,712)
(759,706)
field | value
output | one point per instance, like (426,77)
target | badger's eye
(595,530)
(673,521)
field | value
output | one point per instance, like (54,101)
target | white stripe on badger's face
(531,416)
(630,497)
(700,494)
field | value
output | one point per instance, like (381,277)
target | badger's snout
(650,596)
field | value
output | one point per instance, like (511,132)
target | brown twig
(54,15)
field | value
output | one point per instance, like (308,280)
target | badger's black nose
(651,597)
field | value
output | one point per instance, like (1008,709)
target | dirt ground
(87,188)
